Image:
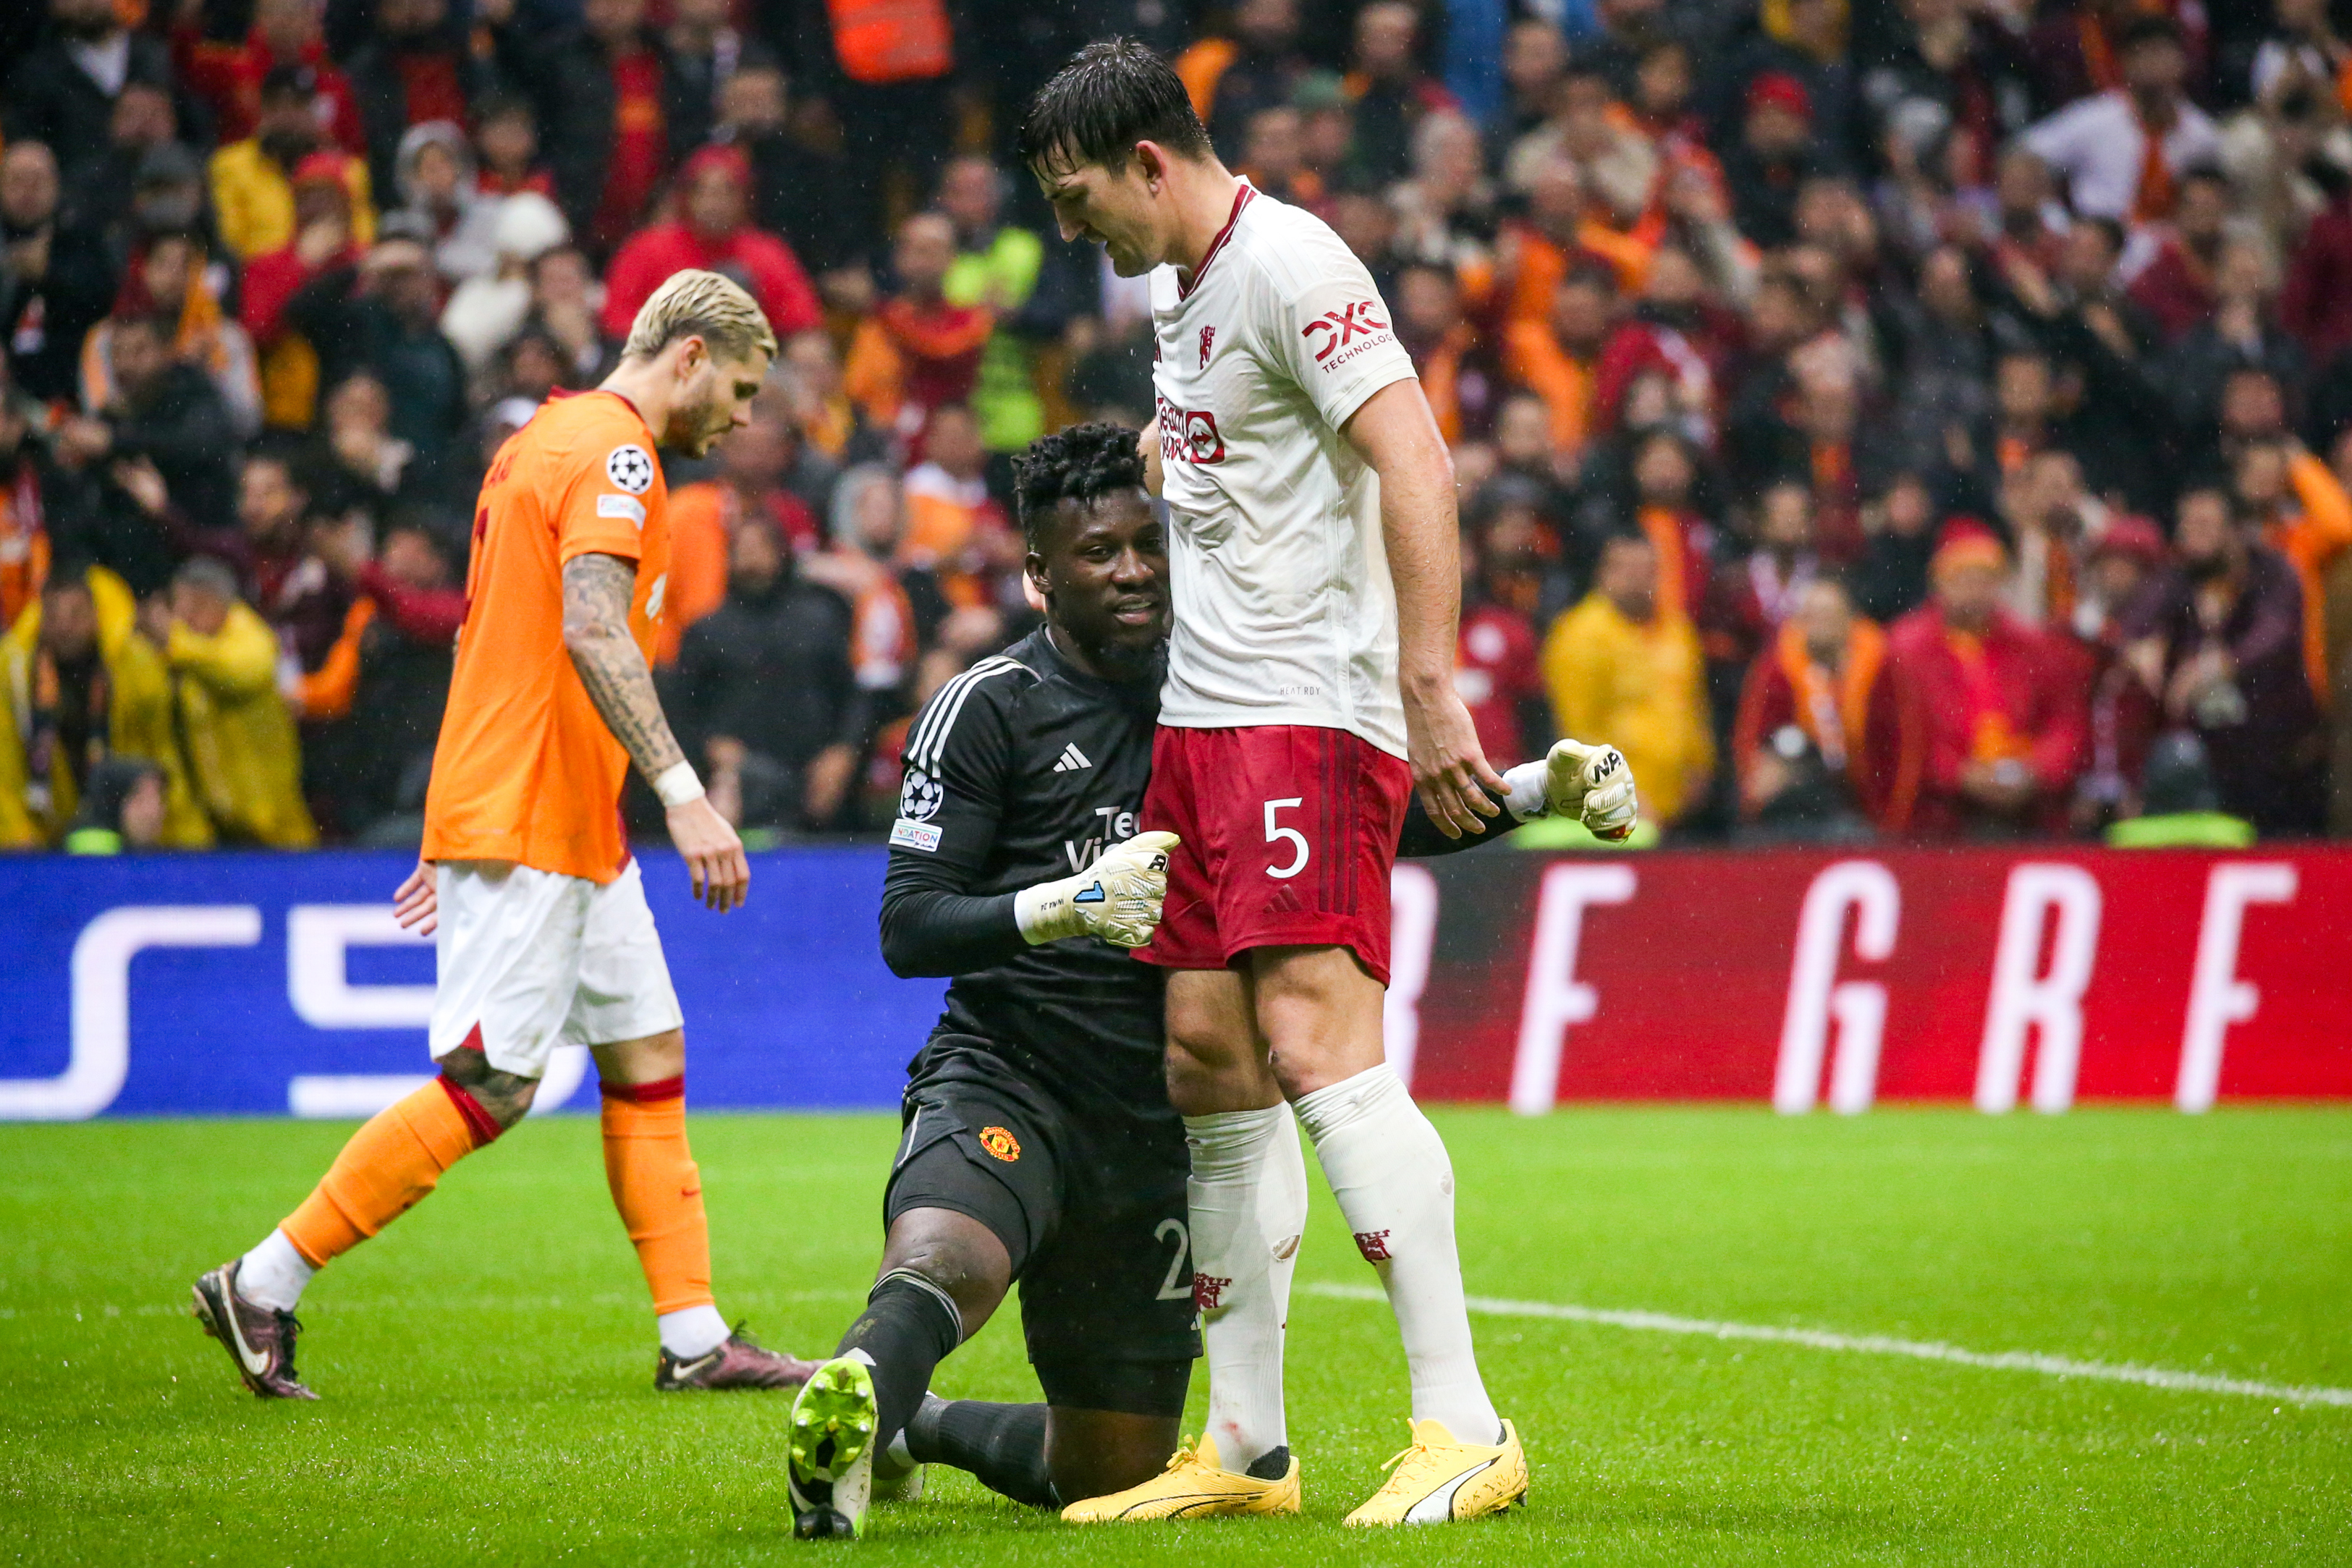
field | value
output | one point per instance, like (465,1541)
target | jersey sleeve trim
(930,739)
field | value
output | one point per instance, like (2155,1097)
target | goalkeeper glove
(1116,898)
(1592,783)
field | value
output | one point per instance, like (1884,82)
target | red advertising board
(1810,978)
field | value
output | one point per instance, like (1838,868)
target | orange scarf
(1991,738)
(1835,713)
(2156,188)
(1665,531)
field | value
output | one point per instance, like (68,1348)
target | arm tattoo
(596,593)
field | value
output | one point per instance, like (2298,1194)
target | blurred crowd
(1919,418)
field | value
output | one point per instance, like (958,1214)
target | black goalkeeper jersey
(1021,770)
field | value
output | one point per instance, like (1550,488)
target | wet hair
(1113,94)
(1084,463)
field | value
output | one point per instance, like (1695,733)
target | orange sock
(390,1163)
(658,1190)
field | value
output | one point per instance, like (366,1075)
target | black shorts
(1091,1207)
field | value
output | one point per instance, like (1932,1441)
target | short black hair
(1084,463)
(1113,94)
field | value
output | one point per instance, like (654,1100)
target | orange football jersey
(525,769)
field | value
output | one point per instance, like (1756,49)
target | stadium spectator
(326,237)
(1823,674)
(122,808)
(917,350)
(955,530)
(170,279)
(29,484)
(62,93)
(441,200)
(56,280)
(379,316)
(1459,373)
(244,763)
(713,231)
(705,516)
(1496,662)
(486,311)
(1757,595)
(253,181)
(2173,265)
(996,267)
(228,74)
(765,691)
(2221,640)
(1622,663)
(506,149)
(1231,79)
(166,411)
(1556,356)
(1772,158)
(94,688)
(2123,152)
(415,67)
(618,109)
(890,607)
(1390,91)
(1995,708)
(370,706)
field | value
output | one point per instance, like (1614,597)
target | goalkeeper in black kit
(1038,1142)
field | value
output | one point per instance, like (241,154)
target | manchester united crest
(1000,1144)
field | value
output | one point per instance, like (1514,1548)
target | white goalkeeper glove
(1592,783)
(1116,898)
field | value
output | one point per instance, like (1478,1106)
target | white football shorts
(534,959)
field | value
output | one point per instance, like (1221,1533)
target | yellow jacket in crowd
(1642,685)
(255,200)
(243,751)
(138,721)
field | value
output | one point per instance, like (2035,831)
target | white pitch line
(1881,1344)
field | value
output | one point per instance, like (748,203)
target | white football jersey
(1284,610)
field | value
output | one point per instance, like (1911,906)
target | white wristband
(1526,799)
(678,784)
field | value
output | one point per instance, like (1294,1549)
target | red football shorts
(1289,834)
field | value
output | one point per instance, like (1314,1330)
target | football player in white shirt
(1310,687)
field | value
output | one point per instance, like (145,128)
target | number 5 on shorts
(1275,834)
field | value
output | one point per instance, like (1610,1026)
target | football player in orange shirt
(539,913)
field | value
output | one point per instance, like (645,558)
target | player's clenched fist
(1116,897)
(1594,784)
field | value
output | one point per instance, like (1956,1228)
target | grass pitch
(486,1364)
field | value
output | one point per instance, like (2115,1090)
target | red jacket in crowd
(760,262)
(1852,716)
(2012,692)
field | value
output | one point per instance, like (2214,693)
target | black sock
(1004,1445)
(907,1328)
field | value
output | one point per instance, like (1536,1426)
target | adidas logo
(1071,759)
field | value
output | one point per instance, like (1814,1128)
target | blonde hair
(697,304)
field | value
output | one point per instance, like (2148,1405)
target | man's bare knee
(1319,1011)
(1216,1059)
(955,1252)
(506,1096)
(1093,1453)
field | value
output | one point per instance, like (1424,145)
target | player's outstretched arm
(596,593)
(1395,432)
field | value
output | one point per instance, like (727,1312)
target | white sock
(1248,1197)
(272,1275)
(692,1331)
(1389,1170)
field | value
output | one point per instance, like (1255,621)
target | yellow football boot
(1439,1480)
(1193,1486)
